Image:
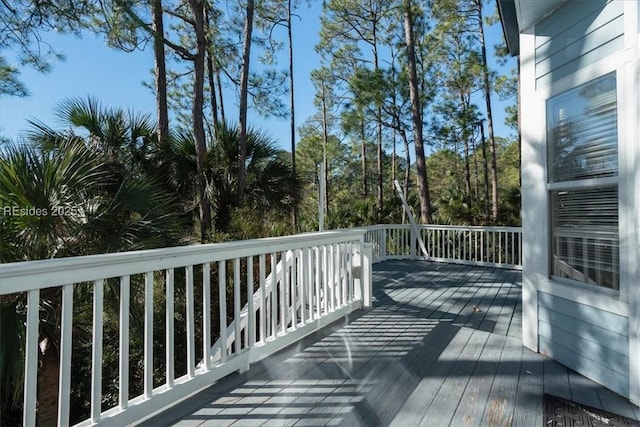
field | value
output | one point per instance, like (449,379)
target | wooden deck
(441,347)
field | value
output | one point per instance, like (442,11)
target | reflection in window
(585,236)
(582,143)
(582,132)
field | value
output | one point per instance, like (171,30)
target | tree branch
(180,50)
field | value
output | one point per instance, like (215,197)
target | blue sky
(115,78)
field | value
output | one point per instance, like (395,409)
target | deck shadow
(425,354)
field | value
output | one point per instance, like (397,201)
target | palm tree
(271,184)
(135,211)
(85,189)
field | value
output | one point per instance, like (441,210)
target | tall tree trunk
(211,76)
(379,128)
(407,172)
(363,160)
(220,98)
(487,97)
(416,115)
(380,173)
(467,171)
(292,109)
(212,93)
(244,92)
(48,380)
(486,175)
(393,156)
(325,141)
(474,148)
(160,72)
(198,10)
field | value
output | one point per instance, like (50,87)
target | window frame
(581,78)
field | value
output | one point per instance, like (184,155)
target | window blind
(582,132)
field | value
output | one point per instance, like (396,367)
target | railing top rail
(446,227)
(29,275)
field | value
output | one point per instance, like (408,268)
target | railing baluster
(191,355)
(332,277)
(274,296)
(302,281)
(284,294)
(236,304)
(350,272)
(31,358)
(96,351)
(310,283)
(222,307)
(64,385)
(251,325)
(294,293)
(148,334)
(325,280)
(342,262)
(318,282)
(263,302)
(170,328)
(125,298)
(337,275)
(206,315)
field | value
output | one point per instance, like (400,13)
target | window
(582,152)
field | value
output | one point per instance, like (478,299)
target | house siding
(593,331)
(561,50)
(591,341)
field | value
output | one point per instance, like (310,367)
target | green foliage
(66,194)
(47,199)
(10,83)
(271,185)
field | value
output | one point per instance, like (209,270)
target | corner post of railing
(362,272)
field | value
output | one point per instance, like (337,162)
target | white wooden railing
(289,286)
(484,246)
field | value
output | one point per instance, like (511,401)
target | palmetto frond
(48,193)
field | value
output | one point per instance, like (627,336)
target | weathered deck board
(441,346)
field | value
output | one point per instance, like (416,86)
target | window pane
(585,236)
(582,132)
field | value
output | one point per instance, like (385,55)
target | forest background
(362,127)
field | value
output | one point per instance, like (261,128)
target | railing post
(31,358)
(362,261)
(367,276)
(382,243)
